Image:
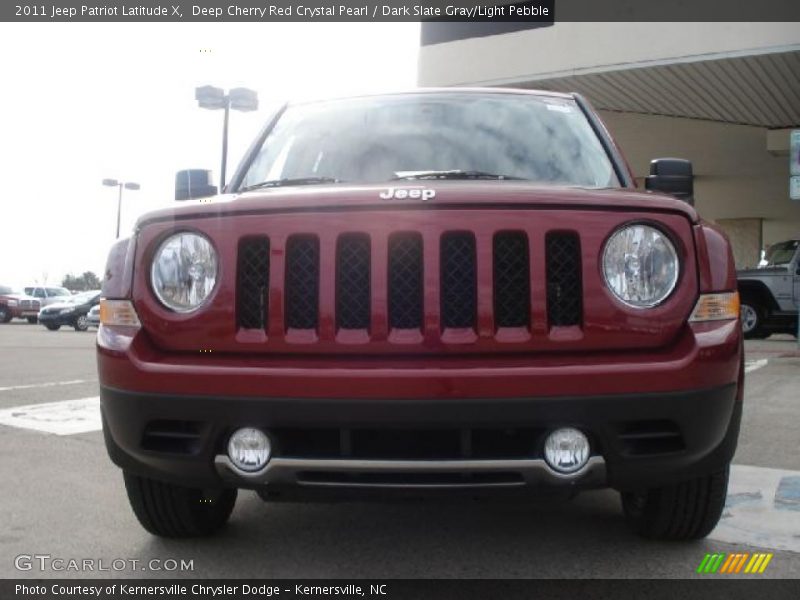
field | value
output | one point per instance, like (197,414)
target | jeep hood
(448,194)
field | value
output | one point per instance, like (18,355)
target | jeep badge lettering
(403,193)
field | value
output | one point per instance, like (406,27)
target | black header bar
(499,11)
(395,589)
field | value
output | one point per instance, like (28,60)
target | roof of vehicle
(429,90)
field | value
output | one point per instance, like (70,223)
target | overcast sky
(82,102)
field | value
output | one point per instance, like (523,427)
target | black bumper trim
(708,421)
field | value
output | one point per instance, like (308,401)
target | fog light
(566,450)
(249,449)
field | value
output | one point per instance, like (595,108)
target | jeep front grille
(405,281)
(353,281)
(564,296)
(253,283)
(459,286)
(302,282)
(512,280)
(412,281)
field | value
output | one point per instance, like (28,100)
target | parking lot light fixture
(214,98)
(128,185)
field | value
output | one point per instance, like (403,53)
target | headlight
(12,303)
(184,271)
(640,265)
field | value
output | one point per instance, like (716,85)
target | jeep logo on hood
(403,193)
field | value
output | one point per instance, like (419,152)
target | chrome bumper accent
(290,471)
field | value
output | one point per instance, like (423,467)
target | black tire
(682,511)
(5,314)
(53,326)
(752,318)
(33,320)
(173,511)
(81,323)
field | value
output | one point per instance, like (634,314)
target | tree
(81,283)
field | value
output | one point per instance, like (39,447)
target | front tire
(174,511)
(81,323)
(5,314)
(752,317)
(683,511)
(33,320)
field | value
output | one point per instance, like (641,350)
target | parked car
(16,304)
(441,291)
(770,294)
(72,312)
(48,295)
(93,316)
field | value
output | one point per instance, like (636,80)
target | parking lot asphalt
(61,496)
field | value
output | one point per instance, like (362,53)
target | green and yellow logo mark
(738,562)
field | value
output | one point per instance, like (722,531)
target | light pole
(215,98)
(128,185)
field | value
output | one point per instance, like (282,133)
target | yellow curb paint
(765,563)
(752,563)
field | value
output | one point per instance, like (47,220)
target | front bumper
(57,319)
(651,417)
(638,440)
(18,312)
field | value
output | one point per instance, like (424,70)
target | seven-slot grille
(405,280)
(353,281)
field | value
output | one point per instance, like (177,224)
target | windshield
(369,140)
(781,254)
(82,298)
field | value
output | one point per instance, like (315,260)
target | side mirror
(671,176)
(193,183)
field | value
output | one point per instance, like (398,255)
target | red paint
(617,349)
(608,324)
(715,257)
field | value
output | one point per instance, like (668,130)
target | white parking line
(61,418)
(44,385)
(762,509)
(752,365)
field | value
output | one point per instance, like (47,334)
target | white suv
(47,294)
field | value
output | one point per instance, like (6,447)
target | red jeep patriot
(441,292)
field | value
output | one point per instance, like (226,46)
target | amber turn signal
(716,307)
(118,313)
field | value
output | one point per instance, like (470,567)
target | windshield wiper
(290,181)
(451,174)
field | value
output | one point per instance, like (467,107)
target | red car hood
(460,194)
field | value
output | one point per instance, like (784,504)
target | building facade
(723,95)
